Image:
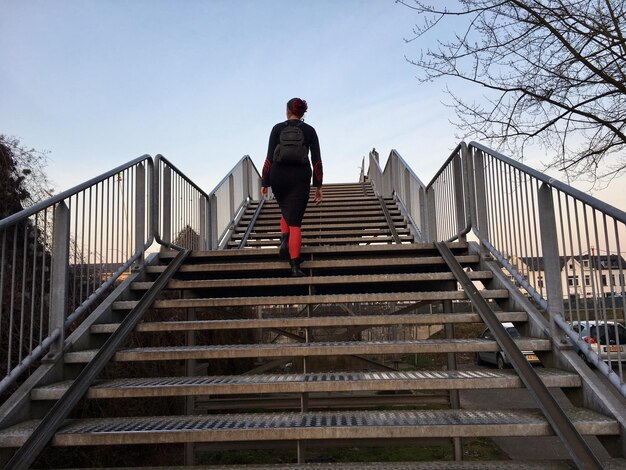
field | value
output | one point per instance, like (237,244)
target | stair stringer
(417,233)
(230,229)
(594,394)
(410,222)
(19,406)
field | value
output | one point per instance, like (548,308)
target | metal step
(309,383)
(340,263)
(308,240)
(311,322)
(312,299)
(415,249)
(369,205)
(340,199)
(326,233)
(332,220)
(345,348)
(347,214)
(314,280)
(613,464)
(357,208)
(310,425)
(347,225)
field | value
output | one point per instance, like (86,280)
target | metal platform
(309,383)
(312,425)
(308,349)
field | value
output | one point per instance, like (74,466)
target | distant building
(582,276)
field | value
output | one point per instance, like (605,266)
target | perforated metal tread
(321,264)
(417,248)
(275,233)
(466,465)
(316,382)
(326,425)
(312,240)
(314,280)
(313,322)
(355,256)
(612,464)
(254,301)
(308,349)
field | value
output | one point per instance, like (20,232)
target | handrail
(203,220)
(92,216)
(51,201)
(454,153)
(399,180)
(581,453)
(560,244)
(447,196)
(72,247)
(60,255)
(613,211)
(25,456)
(397,155)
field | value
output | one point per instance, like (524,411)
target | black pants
(291,185)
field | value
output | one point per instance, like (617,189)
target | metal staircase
(364,352)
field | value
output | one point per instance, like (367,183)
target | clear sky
(99,82)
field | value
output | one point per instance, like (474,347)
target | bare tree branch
(552,71)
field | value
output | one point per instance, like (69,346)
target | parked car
(605,338)
(499,358)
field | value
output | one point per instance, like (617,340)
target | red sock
(295,240)
(284,228)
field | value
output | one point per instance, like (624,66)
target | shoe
(295,268)
(283,252)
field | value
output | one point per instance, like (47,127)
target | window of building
(572,280)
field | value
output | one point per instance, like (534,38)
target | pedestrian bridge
(147,323)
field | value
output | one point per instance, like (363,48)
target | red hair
(297,107)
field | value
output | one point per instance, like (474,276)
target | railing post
(247,182)
(431,213)
(388,178)
(479,214)
(60,276)
(204,229)
(140,213)
(407,191)
(212,220)
(423,209)
(231,196)
(551,261)
(468,186)
(166,234)
(458,195)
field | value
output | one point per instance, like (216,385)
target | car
(607,339)
(499,358)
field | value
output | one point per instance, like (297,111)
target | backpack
(291,149)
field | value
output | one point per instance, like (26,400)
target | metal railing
(562,246)
(559,244)
(59,256)
(448,217)
(399,181)
(437,211)
(188,217)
